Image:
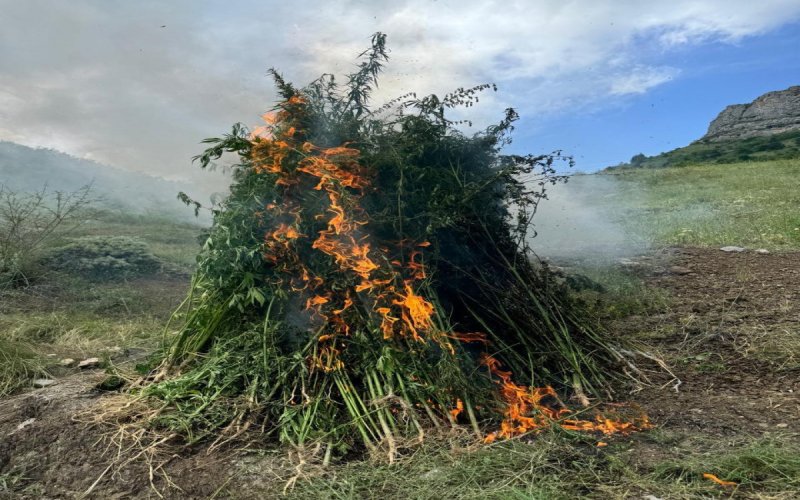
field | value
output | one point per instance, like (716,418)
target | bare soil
(732,336)
(728,335)
(50,449)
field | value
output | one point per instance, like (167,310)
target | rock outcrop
(772,113)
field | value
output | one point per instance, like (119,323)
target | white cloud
(641,79)
(104,79)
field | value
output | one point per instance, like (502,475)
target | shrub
(104,258)
(28,222)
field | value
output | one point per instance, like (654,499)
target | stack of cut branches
(368,278)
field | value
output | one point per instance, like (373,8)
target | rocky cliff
(772,113)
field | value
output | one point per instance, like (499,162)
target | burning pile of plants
(368,279)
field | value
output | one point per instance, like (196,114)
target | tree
(638,160)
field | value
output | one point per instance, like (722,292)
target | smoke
(584,219)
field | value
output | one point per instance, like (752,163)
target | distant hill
(770,114)
(775,147)
(766,129)
(27,169)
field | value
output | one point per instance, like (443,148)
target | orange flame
(417,268)
(532,409)
(286,232)
(316,300)
(416,311)
(712,477)
(327,360)
(455,412)
(469,337)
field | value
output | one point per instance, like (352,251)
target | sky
(138,84)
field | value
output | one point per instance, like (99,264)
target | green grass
(620,293)
(81,334)
(18,365)
(9,481)
(779,346)
(33,343)
(66,316)
(768,465)
(172,241)
(556,466)
(752,204)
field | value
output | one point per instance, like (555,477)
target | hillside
(766,129)
(27,169)
(784,146)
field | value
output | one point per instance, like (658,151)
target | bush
(638,160)
(28,222)
(105,258)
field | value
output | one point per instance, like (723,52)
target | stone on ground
(89,363)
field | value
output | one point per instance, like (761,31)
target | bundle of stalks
(368,279)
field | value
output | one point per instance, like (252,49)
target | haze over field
(584,218)
(28,170)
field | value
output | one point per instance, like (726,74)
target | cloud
(641,79)
(138,84)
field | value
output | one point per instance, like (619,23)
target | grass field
(562,467)
(174,242)
(755,205)
(782,146)
(68,316)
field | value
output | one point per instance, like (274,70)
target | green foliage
(104,258)
(781,146)
(175,243)
(638,160)
(247,347)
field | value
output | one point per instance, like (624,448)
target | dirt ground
(730,335)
